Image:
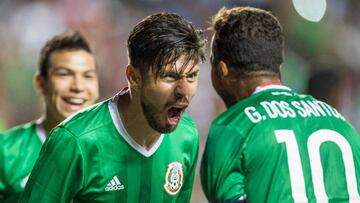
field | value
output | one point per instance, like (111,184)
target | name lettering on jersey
(173,178)
(285,109)
(114,184)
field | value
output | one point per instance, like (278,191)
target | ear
(223,69)
(133,76)
(39,82)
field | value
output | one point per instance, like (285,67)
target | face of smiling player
(165,97)
(71,84)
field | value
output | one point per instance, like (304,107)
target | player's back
(284,147)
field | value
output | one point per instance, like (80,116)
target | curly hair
(247,39)
(161,39)
(69,40)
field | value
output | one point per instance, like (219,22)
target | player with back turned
(271,144)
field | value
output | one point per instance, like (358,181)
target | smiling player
(67,81)
(138,146)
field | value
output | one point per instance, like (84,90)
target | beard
(153,118)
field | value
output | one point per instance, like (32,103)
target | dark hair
(161,39)
(247,39)
(316,84)
(70,40)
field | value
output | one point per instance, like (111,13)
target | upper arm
(57,175)
(222,174)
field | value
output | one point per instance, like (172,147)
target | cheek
(93,89)
(157,94)
(59,86)
(215,81)
(162,90)
(193,89)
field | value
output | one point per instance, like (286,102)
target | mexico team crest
(173,178)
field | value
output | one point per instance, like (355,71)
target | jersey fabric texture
(280,146)
(19,149)
(91,158)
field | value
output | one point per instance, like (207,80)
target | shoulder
(87,120)
(20,128)
(188,124)
(19,132)
(186,131)
(187,121)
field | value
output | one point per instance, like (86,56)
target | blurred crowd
(322,58)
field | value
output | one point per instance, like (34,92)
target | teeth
(75,100)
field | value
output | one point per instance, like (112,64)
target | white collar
(40,130)
(266,87)
(114,112)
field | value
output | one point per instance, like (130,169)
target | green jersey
(92,158)
(19,149)
(279,146)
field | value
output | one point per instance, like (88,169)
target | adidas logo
(114,184)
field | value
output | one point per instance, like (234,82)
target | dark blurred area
(322,58)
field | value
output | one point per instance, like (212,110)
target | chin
(167,128)
(67,115)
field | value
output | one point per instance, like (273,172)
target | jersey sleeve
(58,173)
(185,193)
(221,171)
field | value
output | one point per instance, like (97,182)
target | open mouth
(174,114)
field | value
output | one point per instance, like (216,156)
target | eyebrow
(55,68)
(193,72)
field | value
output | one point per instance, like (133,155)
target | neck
(262,82)
(49,123)
(245,87)
(135,122)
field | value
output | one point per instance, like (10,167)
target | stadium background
(25,25)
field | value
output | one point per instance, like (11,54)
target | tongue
(173,116)
(174,120)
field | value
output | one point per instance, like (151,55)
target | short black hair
(69,40)
(247,39)
(161,39)
(322,84)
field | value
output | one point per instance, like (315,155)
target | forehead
(181,65)
(79,60)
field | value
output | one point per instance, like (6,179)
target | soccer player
(67,81)
(271,144)
(139,145)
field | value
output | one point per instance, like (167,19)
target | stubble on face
(165,97)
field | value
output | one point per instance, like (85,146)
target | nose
(77,84)
(182,88)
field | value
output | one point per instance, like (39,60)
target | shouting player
(67,81)
(138,146)
(272,144)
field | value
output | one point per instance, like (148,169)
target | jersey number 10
(313,145)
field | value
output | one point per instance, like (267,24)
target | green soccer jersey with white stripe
(279,146)
(19,149)
(91,158)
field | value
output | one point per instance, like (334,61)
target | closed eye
(62,73)
(90,75)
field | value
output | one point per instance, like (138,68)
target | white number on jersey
(313,144)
